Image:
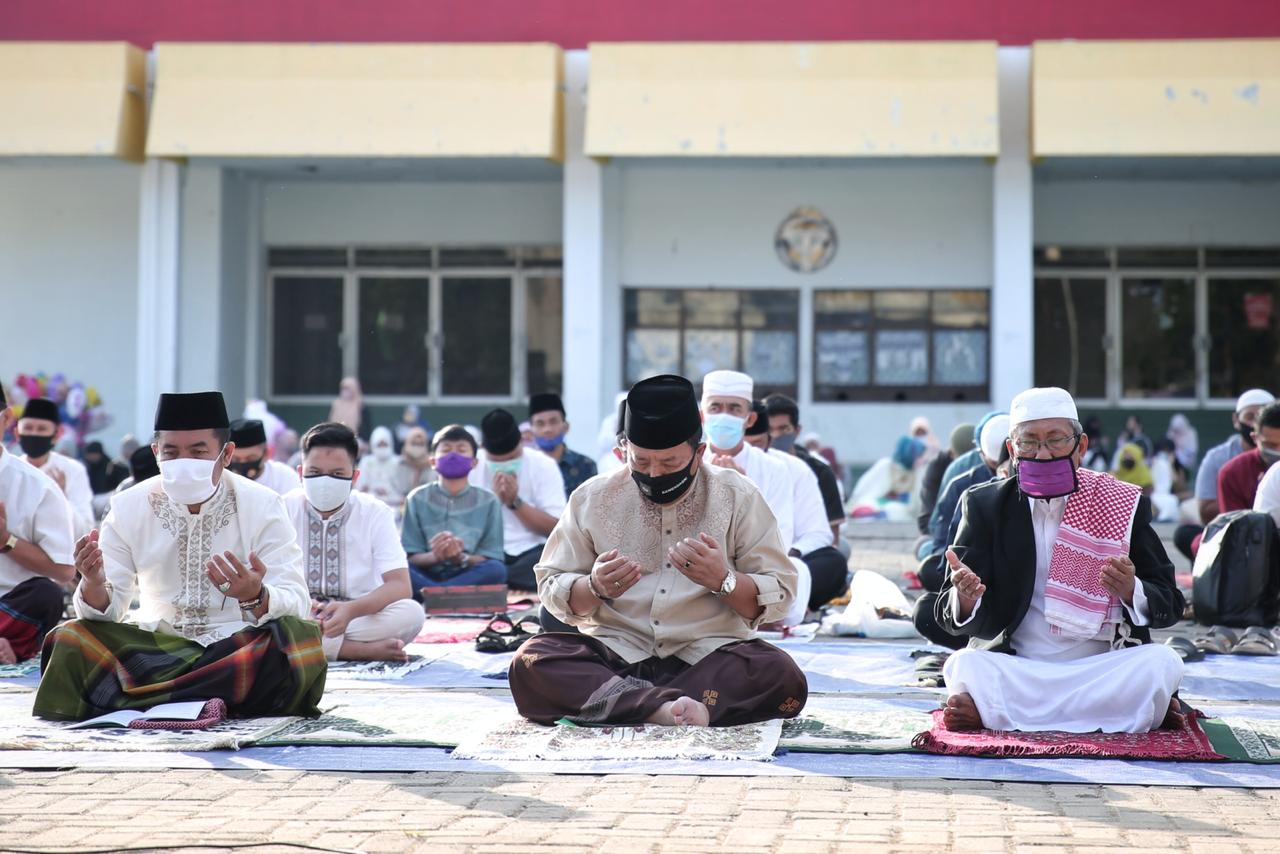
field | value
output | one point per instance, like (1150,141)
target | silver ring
(224,587)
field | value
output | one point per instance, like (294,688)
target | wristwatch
(516,503)
(729,584)
(9,544)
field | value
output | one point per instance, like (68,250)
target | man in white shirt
(813,540)
(726,415)
(215,564)
(38,428)
(531,489)
(35,552)
(356,570)
(253,461)
(1058,578)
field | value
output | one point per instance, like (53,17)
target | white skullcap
(1035,404)
(1254,397)
(994,432)
(728,384)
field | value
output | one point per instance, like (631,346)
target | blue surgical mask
(511,467)
(725,431)
(549,445)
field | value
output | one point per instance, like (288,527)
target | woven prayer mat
(19,730)
(520,739)
(834,724)
(379,671)
(29,667)
(1188,743)
(450,630)
(398,719)
(1245,739)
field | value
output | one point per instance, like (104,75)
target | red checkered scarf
(1095,526)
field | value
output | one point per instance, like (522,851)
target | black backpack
(1236,580)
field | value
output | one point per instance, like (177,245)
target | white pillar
(159,236)
(1013,342)
(584,298)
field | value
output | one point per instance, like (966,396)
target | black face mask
(1246,433)
(248,468)
(665,488)
(36,446)
(1127,463)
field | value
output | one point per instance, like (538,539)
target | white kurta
(1056,682)
(538,483)
(279,478)
(771,477)
(38,513)
(157,549)
(79,493)
(812,529)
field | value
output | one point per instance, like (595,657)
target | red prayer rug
(1188,743)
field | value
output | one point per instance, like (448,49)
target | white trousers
(804,586)
(402,619)
(1125,690)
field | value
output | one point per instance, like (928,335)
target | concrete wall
(899,224)
(68,277)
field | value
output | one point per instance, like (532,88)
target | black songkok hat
(499,433)
(248,433)
(662,412)
(545,402)
(142,464)
(42,408)
(202,410)
(761,424)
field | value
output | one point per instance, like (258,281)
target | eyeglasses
(1056,445)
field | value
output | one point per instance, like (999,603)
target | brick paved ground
(444,812)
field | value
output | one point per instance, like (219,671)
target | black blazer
(995,540)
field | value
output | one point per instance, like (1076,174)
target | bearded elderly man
(666,567)
(1057,578)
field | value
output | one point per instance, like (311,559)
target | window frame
(930,392)
(522,269)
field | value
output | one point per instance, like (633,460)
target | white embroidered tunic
(158,550)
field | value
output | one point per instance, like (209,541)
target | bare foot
(960,714)
(1174,718)
(7,655)
(685,711)
(387,650)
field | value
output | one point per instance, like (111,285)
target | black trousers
(830,573)
(1183,536)
(926,623)
(520,569)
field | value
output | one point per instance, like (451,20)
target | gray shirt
(1214,459)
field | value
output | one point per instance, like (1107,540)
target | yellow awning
(1145,98)
(338,100)
(911,99)
(63,99)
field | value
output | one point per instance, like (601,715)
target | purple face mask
(1048,478)
(453,465)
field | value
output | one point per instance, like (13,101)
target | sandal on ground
(1255,641)
(929,669)
(501,635)
(1219,641)
(1185,649)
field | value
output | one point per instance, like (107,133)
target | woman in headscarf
(1186,441)
(380,470)
(348,406)
(415,461)
(902,478)
(922,430)
(1131,467)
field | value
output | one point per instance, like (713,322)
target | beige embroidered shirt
(665,613)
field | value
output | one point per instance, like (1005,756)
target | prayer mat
(1245,739)
(860,667)
(520,739)
(450,630)
(22,668)
(19,730)
(857,725)
(399,719)
(377,669)
(1188,743)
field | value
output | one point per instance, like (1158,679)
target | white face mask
(188,481)
(382,452)
(326,493)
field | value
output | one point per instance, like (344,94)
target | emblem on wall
(806,240)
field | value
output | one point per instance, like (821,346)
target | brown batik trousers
(578,678)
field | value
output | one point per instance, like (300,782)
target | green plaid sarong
(93,667)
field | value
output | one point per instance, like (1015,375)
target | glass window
(711,308)
(651,352)
(306,334)
(393,335)
(1071,257)
(653,308)
(707,350)
(1157,258)
(901,345)
(306,256)
(478,257)
(403,258)
(1244,332)
(1159,323)
(1251,257)
(1071,335)
(544,325)
(476,329)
